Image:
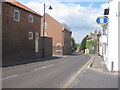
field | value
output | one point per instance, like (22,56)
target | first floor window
(30,18)
(30,35)
(16,15)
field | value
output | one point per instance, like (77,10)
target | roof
(63,25)
(89,36)
(22,6)
(66,27)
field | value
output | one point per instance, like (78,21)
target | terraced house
(60,34)
(21,29)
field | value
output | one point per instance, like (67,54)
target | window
(58,44)
(16,15)
(30,18)
(45,25)
(106,11)
(45,34)
(30,35)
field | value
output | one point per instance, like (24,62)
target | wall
(53,30)
(16,45)
(0,44)
(100,46)
(67,49)
(113,36)
(119,37)
(47,46)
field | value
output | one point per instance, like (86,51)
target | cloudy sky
(78,15)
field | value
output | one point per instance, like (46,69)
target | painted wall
(100,46)
(113,36)
(119,36)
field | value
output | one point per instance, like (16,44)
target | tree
(74,45)
(83,44)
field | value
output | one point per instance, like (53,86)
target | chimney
(110,0)
(90,33)
(96,31)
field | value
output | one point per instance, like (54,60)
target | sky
(79,15)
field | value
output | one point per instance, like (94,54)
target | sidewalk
(96,76)
(98,64)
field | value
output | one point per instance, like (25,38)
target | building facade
(60,34)
(20,33)
(110,37)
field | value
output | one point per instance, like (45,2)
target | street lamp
(50,8)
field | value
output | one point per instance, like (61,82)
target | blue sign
(102,20)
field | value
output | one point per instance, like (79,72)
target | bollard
(112,67)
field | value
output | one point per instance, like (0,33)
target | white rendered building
(110,37)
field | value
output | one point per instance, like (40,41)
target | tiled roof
(90,36)
(22,6)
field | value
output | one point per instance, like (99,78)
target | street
(45,74)
(55,73)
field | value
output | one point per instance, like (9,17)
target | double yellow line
(70,81)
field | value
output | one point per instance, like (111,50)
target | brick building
(60,33)
(20,34)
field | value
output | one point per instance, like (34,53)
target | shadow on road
(15,63)
(28,61)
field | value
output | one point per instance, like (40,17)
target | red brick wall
(16,45)
(67,49)
(53,30)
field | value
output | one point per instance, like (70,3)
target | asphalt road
(44,74)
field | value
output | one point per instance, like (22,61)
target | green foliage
(91,51)
(91,43)
(83,44)
(74,44)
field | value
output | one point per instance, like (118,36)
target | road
(44,74)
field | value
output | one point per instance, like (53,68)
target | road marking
(70,81)
(97,69)
(44,67)
(10,77)
(94,65)
(63,61)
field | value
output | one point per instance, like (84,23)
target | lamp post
(44,25)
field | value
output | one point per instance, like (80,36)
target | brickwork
(60,36)
(15,41)
(67,49)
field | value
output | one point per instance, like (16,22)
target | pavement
(96,76)
(98,64)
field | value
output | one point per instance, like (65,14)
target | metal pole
(112,66)
(43,29)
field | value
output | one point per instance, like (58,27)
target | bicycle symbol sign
(102,20)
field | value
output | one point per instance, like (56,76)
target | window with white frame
(58,44)
(16,15)
(30,18)
(30,35)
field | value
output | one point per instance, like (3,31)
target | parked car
(80,52)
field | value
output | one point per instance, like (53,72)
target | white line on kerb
(44,67)
(9,77)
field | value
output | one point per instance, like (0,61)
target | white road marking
(10,77)
(44,67)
